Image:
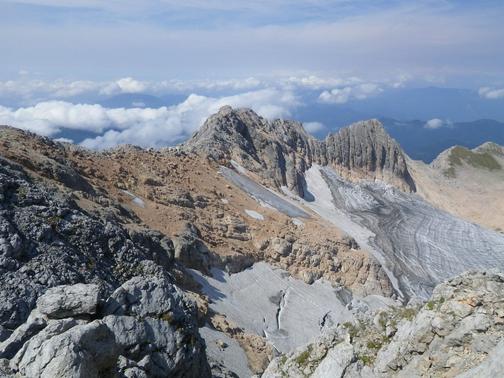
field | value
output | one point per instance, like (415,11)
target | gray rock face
(65,301)
(457,332)
(46,240)
(281,151)
(191,250)
(86,350)
(366,147)
(154,297)
(33,325)
(152,333)
(49,248)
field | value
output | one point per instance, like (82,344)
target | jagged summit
(281,151)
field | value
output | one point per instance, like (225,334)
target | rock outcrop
(458,331)
(281,151)
(337,261)
(147,328)
(46,240)
(59,264)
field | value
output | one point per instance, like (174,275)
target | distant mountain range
(464,118)
(422,143)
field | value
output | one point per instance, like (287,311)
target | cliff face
(281,151)
(366,149)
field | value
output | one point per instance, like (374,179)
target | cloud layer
(144,127)
(437,123)
(195,39)
(347,93)
(491,93)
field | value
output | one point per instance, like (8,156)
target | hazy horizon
(150,72)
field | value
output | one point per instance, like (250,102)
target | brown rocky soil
(175,189)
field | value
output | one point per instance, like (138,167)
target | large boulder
(154,297)
(69,300)
(190,249)
(148,329)
(86,350)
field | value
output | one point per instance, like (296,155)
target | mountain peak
(281,151)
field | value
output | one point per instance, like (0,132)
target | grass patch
(366,359)
(432,304)
(408,313)
(352,329)
(302,359)
(476,159)
(22,192)
(167,317)
(376,345)
(283,360)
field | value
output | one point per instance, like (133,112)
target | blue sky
(456,43)
(62,59)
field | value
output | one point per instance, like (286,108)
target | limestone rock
(281,151)
(151,333)
(191,250)
(457,332)
(34,324)
(69,300)
(87,350)
(140,297)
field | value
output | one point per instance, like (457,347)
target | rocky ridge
(148,213)
(281,151)
(185,197)
(457,332)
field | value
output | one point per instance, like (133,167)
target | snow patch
(254,214)
(136,200)
(298,222)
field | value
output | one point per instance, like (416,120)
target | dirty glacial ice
(418,244)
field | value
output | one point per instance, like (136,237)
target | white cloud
(319,82)
(26,90)
(125,85)
(491,93)
(64,140)
(437,123)
(30,89)
(345,94)
(314,127)
(141,126)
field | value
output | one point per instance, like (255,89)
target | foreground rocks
(146,328)
(46,240)
(459,331)
(81,295)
